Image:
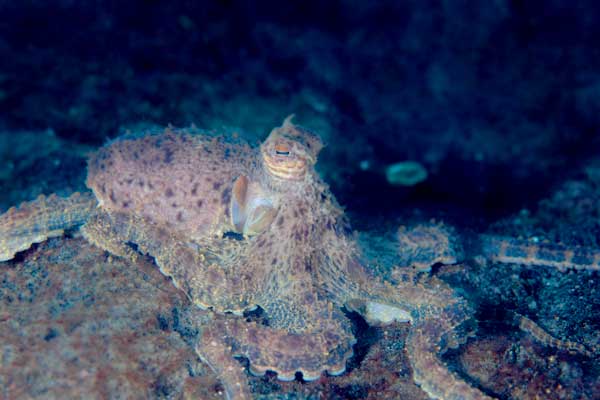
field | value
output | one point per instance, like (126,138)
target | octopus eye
(282,149)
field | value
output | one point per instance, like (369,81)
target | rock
(77,324)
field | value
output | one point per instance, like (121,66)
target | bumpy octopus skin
(236,228)
(176,196)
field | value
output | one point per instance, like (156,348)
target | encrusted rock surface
(76,323)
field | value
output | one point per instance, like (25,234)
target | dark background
(498,100)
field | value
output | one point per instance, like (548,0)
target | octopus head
(290,151)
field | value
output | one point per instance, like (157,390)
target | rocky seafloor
(499,102)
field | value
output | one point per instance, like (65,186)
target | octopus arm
(203,270)
(437,316)
(514,251)
(305,332)
(429,371)
(40,219)
(327,347)
(214,350)
(339,271)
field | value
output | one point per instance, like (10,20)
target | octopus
(239,229)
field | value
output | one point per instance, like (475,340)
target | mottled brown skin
(174,179)
(238,228)
(424,245)
(296,260)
